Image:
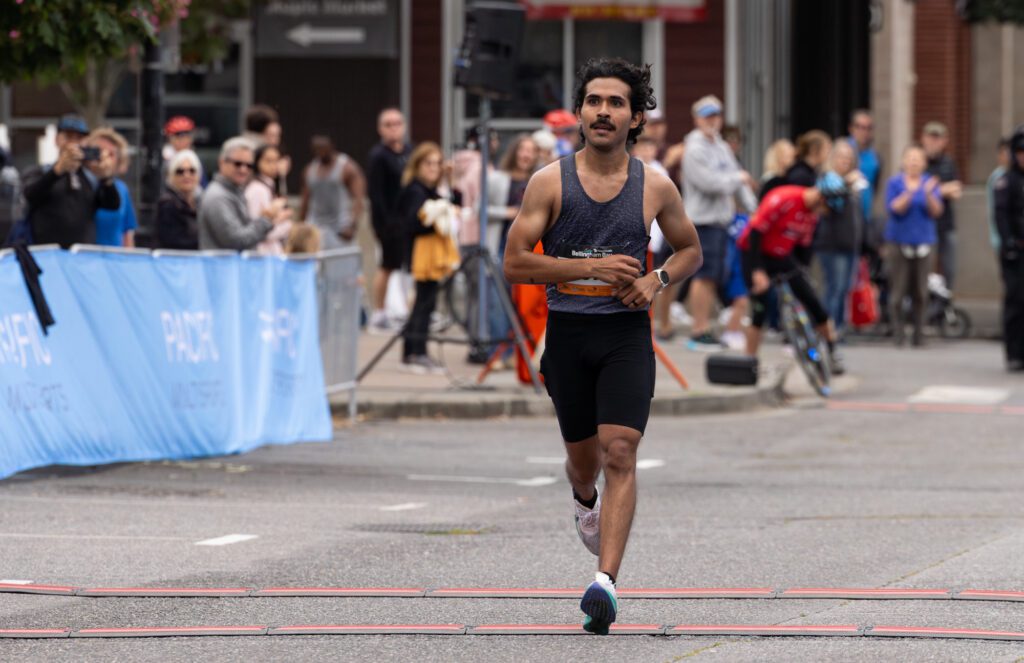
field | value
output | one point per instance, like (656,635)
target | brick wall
(427,40)
(942,60)
(694,66)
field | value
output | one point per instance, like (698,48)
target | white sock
(604,578)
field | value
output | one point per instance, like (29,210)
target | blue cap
(707,106)
(72,122)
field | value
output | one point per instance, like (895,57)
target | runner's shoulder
(659,182)
(547,181)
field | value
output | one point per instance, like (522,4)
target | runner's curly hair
(637,77)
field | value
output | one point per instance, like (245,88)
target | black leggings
(419,320)
(798,283)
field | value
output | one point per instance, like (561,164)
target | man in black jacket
(63,199)
(384,179)
(1009,204)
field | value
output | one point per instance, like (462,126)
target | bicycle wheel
(954,322)
(810,352)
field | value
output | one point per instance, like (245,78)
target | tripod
(477,256)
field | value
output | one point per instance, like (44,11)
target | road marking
(8,581)
(546,460)
(649,463)
(960,395)
(100,537)
(529,483)
(406,506)
(226,540)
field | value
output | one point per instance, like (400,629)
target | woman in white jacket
(506,185)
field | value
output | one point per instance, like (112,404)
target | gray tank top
(589,229)
(329,200)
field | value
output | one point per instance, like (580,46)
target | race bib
(586,287)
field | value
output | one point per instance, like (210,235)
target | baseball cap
(179,124)
(560,119)
(935,129)
(707,106)
(73,123)
(655,115)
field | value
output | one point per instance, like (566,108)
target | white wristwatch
(663,278)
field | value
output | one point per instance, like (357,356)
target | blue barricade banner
(158,358)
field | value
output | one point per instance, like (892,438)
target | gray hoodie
(224,221)
(711,180)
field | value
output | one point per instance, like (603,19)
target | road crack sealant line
(677,593)
(760,630)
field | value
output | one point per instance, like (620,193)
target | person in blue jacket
(913,201)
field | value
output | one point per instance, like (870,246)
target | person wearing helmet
(1009,216)
(566,128)
(781,228)
(180,132)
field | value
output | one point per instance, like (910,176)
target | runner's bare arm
(679,232)
(680,235)
(536,215)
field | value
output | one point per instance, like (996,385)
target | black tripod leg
(513,316)
(383,351)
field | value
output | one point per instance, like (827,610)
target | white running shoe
(588,525)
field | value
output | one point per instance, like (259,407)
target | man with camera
(63,198)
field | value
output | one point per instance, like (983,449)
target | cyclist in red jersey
(782,227)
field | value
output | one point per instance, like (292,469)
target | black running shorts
(599,369)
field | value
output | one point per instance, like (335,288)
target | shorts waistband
(626,317)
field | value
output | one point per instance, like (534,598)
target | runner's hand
(640,293)
(760,282)
(618,270)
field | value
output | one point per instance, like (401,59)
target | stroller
(950,320)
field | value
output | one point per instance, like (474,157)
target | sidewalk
(388,392)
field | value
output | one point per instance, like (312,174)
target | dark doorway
(336,97)
(831,64)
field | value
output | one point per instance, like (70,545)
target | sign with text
(327,28)
(158,358)
(679,11)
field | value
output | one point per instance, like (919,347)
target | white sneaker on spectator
(432,367)
(734,340)
(678,314)
(414,364)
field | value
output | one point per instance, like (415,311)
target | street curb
(488,406)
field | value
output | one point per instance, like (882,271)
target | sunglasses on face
(241,164)
(184,171)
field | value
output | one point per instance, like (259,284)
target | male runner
(593,212)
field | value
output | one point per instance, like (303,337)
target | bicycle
(809,349)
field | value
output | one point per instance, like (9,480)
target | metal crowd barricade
(340,293)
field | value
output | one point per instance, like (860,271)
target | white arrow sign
(305,34)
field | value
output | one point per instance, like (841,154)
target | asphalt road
(902,487)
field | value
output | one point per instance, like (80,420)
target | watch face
(663,277)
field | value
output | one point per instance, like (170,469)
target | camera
(90,153)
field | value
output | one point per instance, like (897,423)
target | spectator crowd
(900,232)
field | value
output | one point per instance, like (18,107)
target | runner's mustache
(602,125)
